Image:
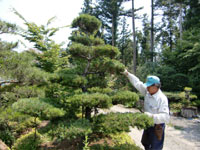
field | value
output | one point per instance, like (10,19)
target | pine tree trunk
(170,26)
(113,35)
(88,112)
(134,38)
(181,21)
(152,29)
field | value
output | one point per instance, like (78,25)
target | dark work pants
(150,141)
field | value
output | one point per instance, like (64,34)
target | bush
(37,108)
(28,142)
(69,130)
(78,129)
(176,107)
(127,98)
(171,80)
(196,103)
(6,134)
(28,123)
(116,122)
(110,124)
(173,96)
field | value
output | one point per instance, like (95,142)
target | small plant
(86,143)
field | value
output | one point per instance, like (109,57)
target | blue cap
(152,80)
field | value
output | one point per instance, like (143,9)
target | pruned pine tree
(93,62)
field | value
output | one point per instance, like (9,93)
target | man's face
(152,89)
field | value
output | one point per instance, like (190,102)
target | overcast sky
(39,11)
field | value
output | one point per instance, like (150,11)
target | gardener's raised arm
(136,82)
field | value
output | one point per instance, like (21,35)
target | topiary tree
(93,62)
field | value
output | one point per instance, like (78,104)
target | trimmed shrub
(78,128)
(113,123)
(69,130)
(37,108)
(125,97)
(28,142)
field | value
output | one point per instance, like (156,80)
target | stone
(189,112)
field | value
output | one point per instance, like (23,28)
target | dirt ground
(180,133)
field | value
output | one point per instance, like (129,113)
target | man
(155,106)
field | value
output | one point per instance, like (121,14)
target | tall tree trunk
(181,21)
(170,27)
(134,38)
(113,35)
(152,29)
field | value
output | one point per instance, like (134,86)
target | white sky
(39,11)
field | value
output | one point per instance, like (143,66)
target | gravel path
(180,133)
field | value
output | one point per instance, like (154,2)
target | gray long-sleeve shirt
(156,104)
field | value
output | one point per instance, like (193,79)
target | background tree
(109,13)
(50,55)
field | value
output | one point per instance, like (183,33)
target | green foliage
(6,27)
(196,103)
(92,61)
(100,90)
(121,138)
(78,129)
(143,72)
(7,99)
(173,96)
(13,123)
(176,107)
(28,142)
(86,143)
(6,133)
(19,66)
(37,108)
(49,56)
(125,97)
(86,23)
(171,80)
(28,123)
(113,123)
(72,129)
(90,100)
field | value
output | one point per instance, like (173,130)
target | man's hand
(149,114)
(125,72)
